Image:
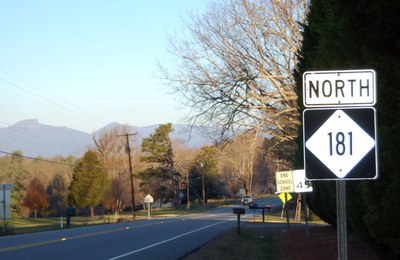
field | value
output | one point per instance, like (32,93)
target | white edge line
(165,241)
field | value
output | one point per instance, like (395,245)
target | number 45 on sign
(301,184)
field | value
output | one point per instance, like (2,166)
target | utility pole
(202,182)
(187,190)
(171,171)
(128,151)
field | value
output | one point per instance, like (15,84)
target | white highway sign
(339,88)
(340,144)
(301,184)
(284,181)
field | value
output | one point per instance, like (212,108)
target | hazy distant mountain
(35,139)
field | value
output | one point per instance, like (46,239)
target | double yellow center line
(11,248)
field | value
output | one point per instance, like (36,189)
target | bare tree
(240,158)
(111,149)
(234,69)
(184,158)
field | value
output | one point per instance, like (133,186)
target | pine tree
(205,168)
(89,182)
(158,152)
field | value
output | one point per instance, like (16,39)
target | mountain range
(34,139)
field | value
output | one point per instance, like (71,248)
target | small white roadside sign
(148,199)
(301,184)
(284,181)
(5,201)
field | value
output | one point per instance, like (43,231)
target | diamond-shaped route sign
(339,143)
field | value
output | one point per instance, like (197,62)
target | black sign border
(367,167)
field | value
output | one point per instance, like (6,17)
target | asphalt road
(170,238)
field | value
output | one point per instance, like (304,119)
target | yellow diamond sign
(282,197)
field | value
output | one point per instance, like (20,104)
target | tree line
(169,170)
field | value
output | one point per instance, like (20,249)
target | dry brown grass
(273,243)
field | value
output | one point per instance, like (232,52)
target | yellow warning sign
(282,197)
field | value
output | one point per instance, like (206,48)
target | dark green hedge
(341,35)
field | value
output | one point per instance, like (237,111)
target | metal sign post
(306,216)
(339,135)
(287,213)
(148,199)
(341,219)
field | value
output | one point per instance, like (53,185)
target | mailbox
(71,212)
(238,211)
(253,205)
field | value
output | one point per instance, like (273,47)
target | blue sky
(84,64)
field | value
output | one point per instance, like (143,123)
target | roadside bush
(7,230)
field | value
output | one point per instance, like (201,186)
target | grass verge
(31,225)
(250,244)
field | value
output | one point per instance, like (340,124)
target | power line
(38,159)
(68,108)
(56,162)
(49,103)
